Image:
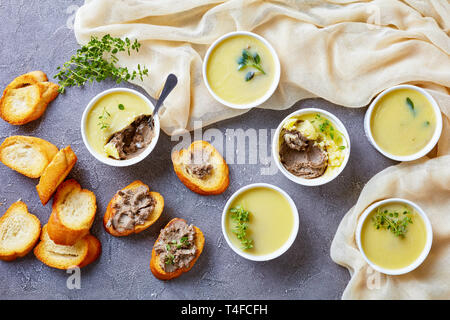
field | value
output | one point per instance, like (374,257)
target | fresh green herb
(426,123)
(241,219)
(97,61)
(249,76)
(170,258)
(342,147)
(121,107)
(247,59)
(103,119)
(326,127)
(391,220)
(411,105)
(178,245)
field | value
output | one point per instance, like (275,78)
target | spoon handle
(171,82)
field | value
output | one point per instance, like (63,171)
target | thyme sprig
(97,61)
(241,219)
(393,221)
(104,119)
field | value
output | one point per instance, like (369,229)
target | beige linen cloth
(343,51)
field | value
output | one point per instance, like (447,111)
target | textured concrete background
(35,36)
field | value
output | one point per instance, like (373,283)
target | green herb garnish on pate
(326,127)
(411,106)
(103,119)
(241,219)
(250,60)
(392,220)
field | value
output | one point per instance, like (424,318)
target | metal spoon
(171,82)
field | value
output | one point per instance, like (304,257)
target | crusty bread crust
(84,252)
(159,207)
(94,250)
(156,269)
(55,173)
(12,254)
(32,89)
(60,232)
(32,165)
(220,171)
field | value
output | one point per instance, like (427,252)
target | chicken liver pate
(133,207)
(132,140)
(199,165)
(176,246)
(301,156)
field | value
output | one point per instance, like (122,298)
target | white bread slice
(73,213)
(26,98)
(85,251)
(55,173)
(27,155)
(215,183)
(19,232)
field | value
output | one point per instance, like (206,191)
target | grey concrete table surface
(36,35)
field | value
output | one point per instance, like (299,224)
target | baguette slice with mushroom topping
(201,168)
(165,257)
(132,210)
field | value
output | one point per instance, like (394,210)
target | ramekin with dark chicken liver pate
(310,146)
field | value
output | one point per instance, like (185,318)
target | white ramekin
(276,78)
(425,250)
(110,161)
(324,178)
(284,247)
(434,139)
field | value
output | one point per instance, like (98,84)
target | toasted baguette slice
(82,253)
(27,155)
(19,232)
(55,173)
(26,98)
(214,183)
(110,211)
(73,212)
(159,272)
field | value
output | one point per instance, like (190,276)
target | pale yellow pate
(114,118)
(270,223)
(383,248)
(229,83)
(403,122)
